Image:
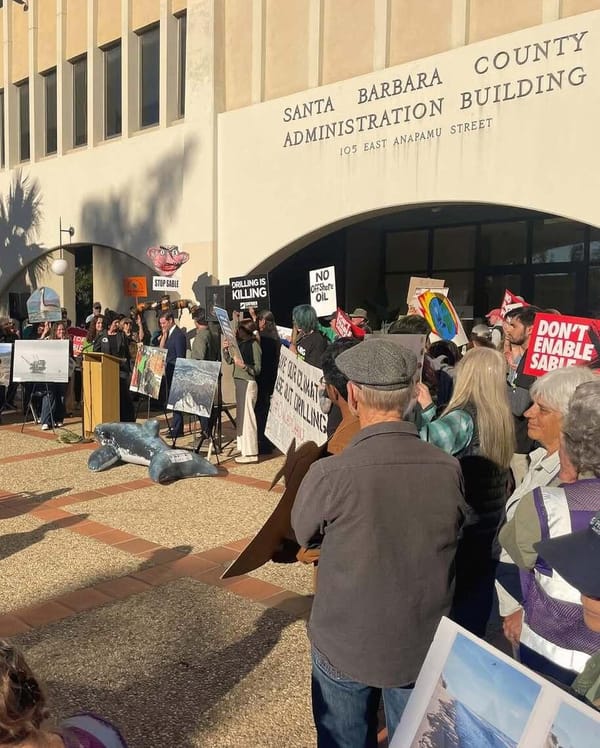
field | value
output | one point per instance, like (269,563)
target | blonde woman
(476,427)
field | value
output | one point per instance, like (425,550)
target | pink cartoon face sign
(167,259)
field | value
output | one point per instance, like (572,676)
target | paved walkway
(111,583)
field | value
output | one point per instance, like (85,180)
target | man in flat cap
(389,508)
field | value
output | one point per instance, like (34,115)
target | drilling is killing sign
(250,291)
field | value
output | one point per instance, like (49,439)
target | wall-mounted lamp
(60,265)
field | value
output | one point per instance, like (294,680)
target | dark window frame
(181,62)
(118,99)
(2,131)
(80,136)
(148,105)
(50,138)
(24,143)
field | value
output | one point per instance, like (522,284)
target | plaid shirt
(451,432)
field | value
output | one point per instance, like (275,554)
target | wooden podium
(100,390)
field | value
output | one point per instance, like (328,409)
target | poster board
(227,330)
(558,340)
(193,386)
(511,301)
(344,326)
(295,412)
(323,294)
(135,286)
(250,291)
(78,337)
(5,362)
(44,306)
(44,361)
(470,694)
(148,370)
(442,317)
(415,283)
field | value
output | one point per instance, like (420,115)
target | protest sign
(250,291)
(285,334)
(323,297)
(163,283)
(511,301)
(135,286)
(558,340)
(5,361)
(442,317)
(78,337)
(295,412)
(424,283)
(470,694)
(193,386)
(227,330)
(44,306)
(148,370)
(344,326)
(41,361)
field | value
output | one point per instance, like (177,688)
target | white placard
(295,412)
(162,283)
(5,362)
(41,361)
(470,694)
(323,297)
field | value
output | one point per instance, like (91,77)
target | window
(50,110)
(182,40)
(454,248)
(23,94)
(149,76)
(112,90)
(557,240)
(79,69)
(504,243)
(2,153)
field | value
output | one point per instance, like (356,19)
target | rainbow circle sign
(441,315)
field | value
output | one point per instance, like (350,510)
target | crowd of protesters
(440,493)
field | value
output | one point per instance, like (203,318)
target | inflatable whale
(141,444)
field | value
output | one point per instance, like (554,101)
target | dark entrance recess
(479,250)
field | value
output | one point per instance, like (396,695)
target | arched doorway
(478,249)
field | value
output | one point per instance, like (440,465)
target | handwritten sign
(295,412)
(559,340)
(323,296)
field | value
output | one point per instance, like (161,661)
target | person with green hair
(309,343)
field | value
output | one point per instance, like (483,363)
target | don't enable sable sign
(558,341)
(250,291)
(323,296)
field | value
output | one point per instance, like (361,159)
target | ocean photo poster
(470,694)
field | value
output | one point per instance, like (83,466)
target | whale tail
(179,463)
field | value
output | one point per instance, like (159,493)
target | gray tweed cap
(378,363)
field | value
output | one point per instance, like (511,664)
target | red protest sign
(78,336)
(511,301)
(344,326)
(558,341)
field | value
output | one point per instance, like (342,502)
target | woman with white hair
(549,629)
(476,427)
(550,394)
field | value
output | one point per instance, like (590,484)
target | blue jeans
(345,711)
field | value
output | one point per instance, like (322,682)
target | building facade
(390,138)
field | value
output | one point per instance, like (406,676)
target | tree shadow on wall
(122,221)
(20,221)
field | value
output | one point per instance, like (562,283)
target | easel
(215,425)
(29,407)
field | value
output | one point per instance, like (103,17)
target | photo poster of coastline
(193,386)
(472,695)
(5,360)
(45,361)
(148,371)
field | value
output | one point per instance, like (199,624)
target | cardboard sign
(323,297)
(416,283)
(470,694)
(193,386)
(78,337)
(44,306)
(135,286)
(250,291)
(163,283)
(295,412)
(511,301)
(442,317)
(558,341)
(344,326)
(148,370)
(227,330)
(41,361)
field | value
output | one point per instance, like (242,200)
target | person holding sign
(309,344)
(245,371)
(477,428)
(387,556)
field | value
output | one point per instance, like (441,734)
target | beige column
(315,43)
(550,11)
(381,33)
(129,73)
(64,83)
(36,89)
(95,79)
(459,23)
(258,50)
(11,104)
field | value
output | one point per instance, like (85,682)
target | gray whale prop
(141,444)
